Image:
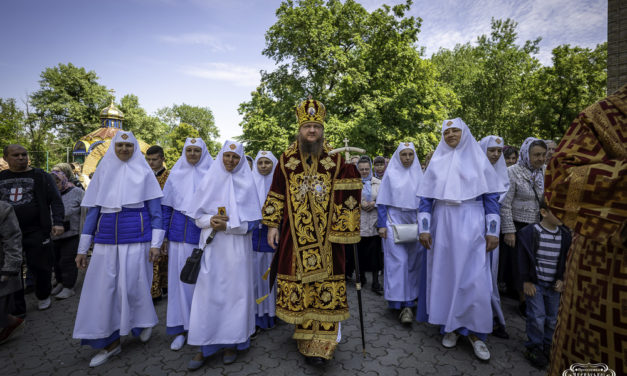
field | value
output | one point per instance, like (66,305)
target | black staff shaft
(358,288)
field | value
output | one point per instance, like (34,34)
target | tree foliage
(504,90)
(148,128)
(69,100)
(363,66)
(200,118)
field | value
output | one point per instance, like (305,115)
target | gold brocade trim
(277,195)
(294,318)
(327,163)
(576,187)
(323,348)
(270,224)
(347,184)
(297,302)
(311,329)
(344,237)
(273,210)
(292,163)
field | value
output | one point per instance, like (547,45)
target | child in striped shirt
(541,251)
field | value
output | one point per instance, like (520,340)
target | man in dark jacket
(541,251)
(34,197)
(10,267)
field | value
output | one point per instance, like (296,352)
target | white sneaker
(145,334)
(450,340)
(43,304)
(65,293)
(481,349)
(56,289)
(178,343)
(104,355)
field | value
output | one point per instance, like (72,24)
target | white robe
(111,300)
(261,263)
(459,282)
(401,261)
(179,293)
(223,309)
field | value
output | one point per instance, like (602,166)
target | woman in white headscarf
(492,146)
(397,204)
(263,169)
(124,221)
(459,223)
(182,233)
(223,312)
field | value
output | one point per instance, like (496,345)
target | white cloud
(236,74)
(449,22)
(202,39)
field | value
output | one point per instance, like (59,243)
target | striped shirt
(547,255)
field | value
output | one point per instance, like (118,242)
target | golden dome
(111,112)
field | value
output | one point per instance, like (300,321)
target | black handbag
(189,273)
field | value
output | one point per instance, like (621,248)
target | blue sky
(208,52)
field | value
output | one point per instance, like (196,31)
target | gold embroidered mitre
(311,111)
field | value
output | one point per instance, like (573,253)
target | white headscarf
(117,183)
(400,184)
(185,178)
(500,167)
(459,173)
(263,182)
(233,190)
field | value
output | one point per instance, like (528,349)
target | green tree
(489,80)
(176,141)
(69,101)
(576,79)
(11,121)
(200,118)
(363,66)
(148,128)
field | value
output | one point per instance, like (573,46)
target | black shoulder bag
(189,273)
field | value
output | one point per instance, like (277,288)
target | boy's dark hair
(379,159)
(363,159)
(543,205)
(509,150)
(155,149)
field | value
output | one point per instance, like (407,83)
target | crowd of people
(440,241)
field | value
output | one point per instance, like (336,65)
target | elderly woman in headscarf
(263,170)
(182,233)
(124,221)
(223,312)
(68,171)
(521,205)
(65,245)
(397,204)
(369,246)
(492,146)
(459,224)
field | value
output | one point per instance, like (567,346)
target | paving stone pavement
(46,347)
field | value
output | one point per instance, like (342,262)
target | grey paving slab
(46,347)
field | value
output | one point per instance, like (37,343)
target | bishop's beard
(310,148)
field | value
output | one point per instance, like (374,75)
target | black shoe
(377,289)
(499,331)
(315,360)
(522,309)
(535,356)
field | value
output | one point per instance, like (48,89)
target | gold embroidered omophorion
(586,187)
(316,200)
